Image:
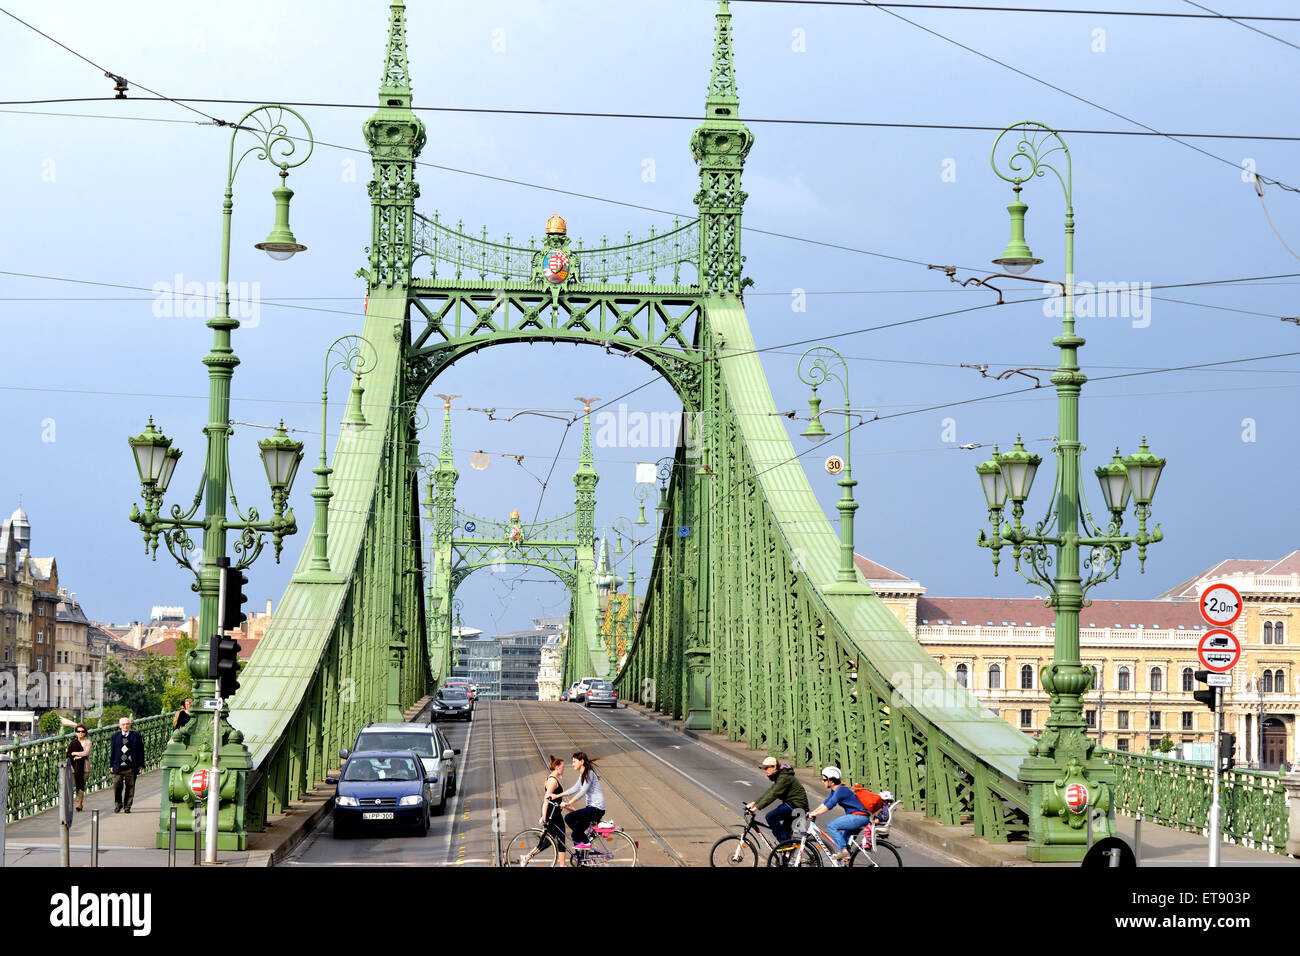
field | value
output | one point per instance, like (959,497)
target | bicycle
(610,846)
(868,847)
(740,849)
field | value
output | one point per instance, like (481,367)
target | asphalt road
(673,795)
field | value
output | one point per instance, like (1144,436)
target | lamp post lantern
(1048,555)
(346,352)
(817,366)
(156,461)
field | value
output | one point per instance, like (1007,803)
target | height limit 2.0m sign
(1220,605)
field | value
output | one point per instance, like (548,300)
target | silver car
(437,755)
(601,692)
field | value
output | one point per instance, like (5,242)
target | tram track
(605,782)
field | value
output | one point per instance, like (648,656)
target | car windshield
(422,744)
(381,768)
(602,685)
(454,692)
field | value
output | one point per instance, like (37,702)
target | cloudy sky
(105,201)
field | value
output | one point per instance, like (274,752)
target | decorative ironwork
(653,258)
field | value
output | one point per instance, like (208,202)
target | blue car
(381,789)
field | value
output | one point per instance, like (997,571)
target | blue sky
(137,202)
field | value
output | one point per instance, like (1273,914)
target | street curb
(955,842)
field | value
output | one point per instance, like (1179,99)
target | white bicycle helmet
(886,796)
(832,772)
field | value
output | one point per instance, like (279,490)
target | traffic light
(1206,696)
(223,664)
(233,583)
(1227,750)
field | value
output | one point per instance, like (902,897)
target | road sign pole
(1214,800)
(214,777)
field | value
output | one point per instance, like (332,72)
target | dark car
(437,755)
(601,692)
(452,703)
(379,790)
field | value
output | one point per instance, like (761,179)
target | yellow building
(1144,653)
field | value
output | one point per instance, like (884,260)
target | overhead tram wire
(969,8)
(1238,20)
(1075,96)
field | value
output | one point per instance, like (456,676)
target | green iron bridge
(745,631)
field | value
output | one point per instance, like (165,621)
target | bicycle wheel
(523,843)
(882,854)
(785,853)
(734,851)
(616,849)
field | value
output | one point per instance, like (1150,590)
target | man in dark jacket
(786,788)
(125,759)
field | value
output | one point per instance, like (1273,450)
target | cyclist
(552,821)
(785,788)
(588,786)
(855,814)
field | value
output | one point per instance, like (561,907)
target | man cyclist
(786,788)
(855,814)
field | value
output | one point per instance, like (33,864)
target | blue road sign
(684,532)
(469,527)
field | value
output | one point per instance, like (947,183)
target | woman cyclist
(588,786)
(552,821)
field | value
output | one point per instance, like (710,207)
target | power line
(991,9)
(591,114)
(1237,20)
(119,80)
(1074,96)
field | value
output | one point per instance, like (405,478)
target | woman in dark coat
(79,756)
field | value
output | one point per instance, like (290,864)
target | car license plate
(387,815)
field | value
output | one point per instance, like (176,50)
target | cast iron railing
(34,768)
(1176,794)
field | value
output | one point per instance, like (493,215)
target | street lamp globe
(995,486)
(150,449)
(1017,259)
(1115,484)
(281,244)
(355,419)
(280,456)
(1018,469)
(1144,471)
(815,430)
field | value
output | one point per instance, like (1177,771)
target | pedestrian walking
(79,756)
(126,760)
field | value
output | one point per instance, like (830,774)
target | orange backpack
(868,799)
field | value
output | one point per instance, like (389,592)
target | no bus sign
(199,783)
(1220,605)
(1219,650)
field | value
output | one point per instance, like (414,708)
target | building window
(1123,678)
(995,677)
(1121,720)
(1188,680)
(1096,676)
(1187,720)
(1026,677)
(960,674)
(1122,744)
(1268,632)
(1157,680)
(1154,720)
(1278,637)
(40,610)
(1026,717)
(1266,683)
(1091,716)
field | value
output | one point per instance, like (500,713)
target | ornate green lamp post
(345,352)
(1066,779)
(624,526)
(190,747)
(816,366)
